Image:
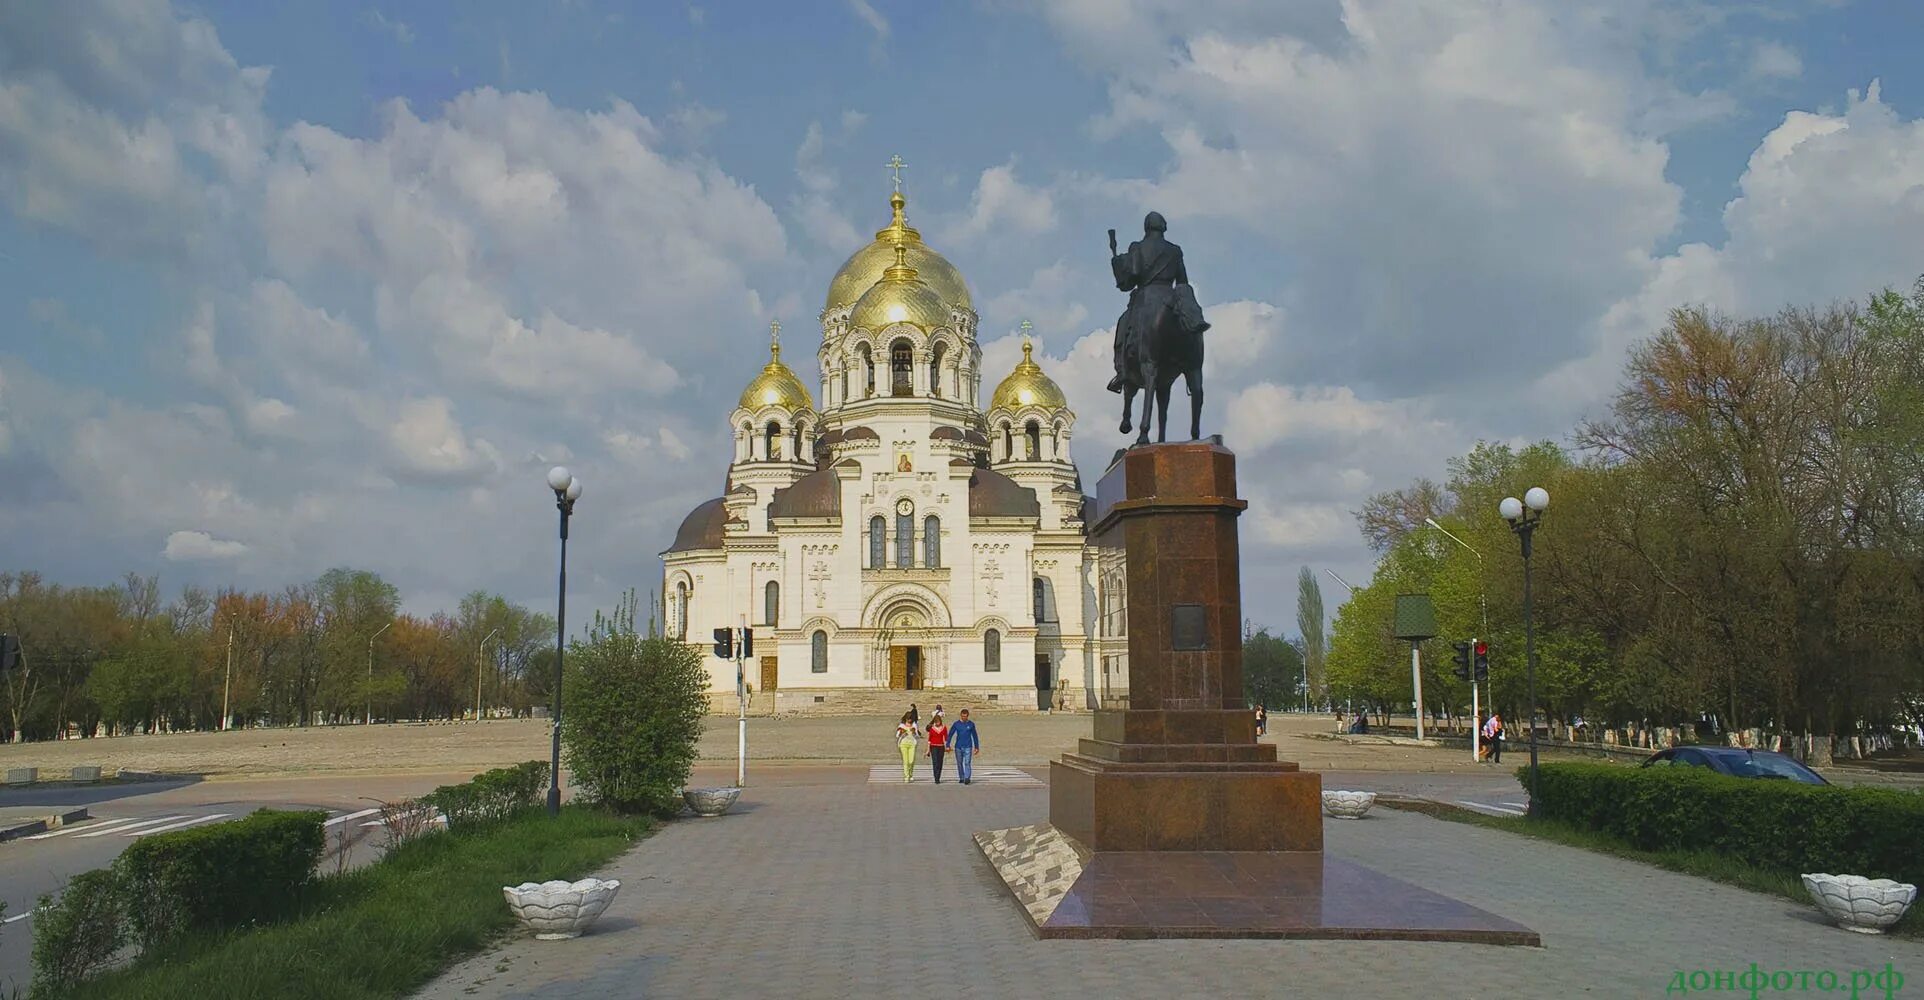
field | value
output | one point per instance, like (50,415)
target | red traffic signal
(1482,660)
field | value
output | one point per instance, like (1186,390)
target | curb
(43,824)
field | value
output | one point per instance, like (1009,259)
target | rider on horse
(1153,274)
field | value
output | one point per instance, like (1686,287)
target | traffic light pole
(1476,713)
(1416,682)
(741,699)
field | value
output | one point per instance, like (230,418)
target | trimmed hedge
(492,796)
(78,935)
(219,876)
(1782,825)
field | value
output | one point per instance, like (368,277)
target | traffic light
(1461,659)
(1482,661)
(725,643)
(9,651)
(748,643)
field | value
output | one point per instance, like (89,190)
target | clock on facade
(904,507)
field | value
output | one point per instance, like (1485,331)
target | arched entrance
(903,626)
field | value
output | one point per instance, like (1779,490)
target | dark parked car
(1737,762)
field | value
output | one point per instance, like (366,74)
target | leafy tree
(1309,625)
(1272,670)
(633,713)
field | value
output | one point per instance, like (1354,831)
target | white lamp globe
(1537,499)
(559,477)
(574,489)
(1511,508)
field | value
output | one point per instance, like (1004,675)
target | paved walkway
(844,889)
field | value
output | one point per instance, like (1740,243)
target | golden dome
(901,296)
(776,384)
(865,267)
(1028,386)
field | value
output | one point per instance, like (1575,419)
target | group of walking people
(938,741)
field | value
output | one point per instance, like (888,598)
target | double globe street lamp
(1524,515)
(567,489)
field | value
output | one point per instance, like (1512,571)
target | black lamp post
(567,489)
(1524,515)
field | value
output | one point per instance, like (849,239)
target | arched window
(680,625)
(1008,444)
(772,441)
(877,542)
(931,542)
(1033,432)
(771,603)
(901,369)
(1041,600)
(797,450)
(992,651)
(818,652)
(867,360)
(904,540)
(935,369)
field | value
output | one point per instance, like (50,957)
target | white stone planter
(1348,805)
(1856,903)
(710,802)
(558,910)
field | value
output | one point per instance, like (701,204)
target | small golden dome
(864,268)
(1028,386)
(776,384)
(901,296)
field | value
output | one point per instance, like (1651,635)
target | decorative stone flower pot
(1348,805)
(559,910)
(710,802)
(1856,903)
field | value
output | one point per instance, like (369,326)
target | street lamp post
(567,489)
(227,678)
(368,720)
(1476,709)
(481,663)
(1524,516)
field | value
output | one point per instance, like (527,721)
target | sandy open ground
(1008,738)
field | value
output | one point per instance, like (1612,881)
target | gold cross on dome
(895,166)
(1026,327)
(774,331)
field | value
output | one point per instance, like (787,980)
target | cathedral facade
(901,534)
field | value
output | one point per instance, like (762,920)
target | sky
(285,287)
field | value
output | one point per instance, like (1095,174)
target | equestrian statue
(1160,334)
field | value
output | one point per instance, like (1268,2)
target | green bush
(491,796)
(78,935)
(219,876)
(1781,825)
(632,713)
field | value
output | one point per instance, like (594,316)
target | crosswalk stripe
(986,774)
(78,828)
(123,828)
(349,816)
(1485,807)
(184,824)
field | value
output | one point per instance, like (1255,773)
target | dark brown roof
(849,463)
(976,437)
(818,494)
(702,528)
(946,434)
(992,494)
(830,437)
(860,434)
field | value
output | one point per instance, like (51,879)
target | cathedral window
(866,361)
(1008,444)
(904,541)
(1041,599)
(818,652)
(931,542)
(992,651)
(877,542)
(679,626)
(1033,434)
(771,603)
(935,369)
(901,369)
(772,441)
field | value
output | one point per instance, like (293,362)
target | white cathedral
(901,536)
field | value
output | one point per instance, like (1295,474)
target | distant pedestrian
(1262,719)
(966,744)
(938,742)
(1339,720)
(914,716)
(907,735)
(1493,737)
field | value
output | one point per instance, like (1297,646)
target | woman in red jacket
(938,743)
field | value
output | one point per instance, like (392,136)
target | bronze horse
(1160,335)
(1180,353)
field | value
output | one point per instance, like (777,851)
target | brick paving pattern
(843,889)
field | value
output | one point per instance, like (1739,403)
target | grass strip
(1703,864)
(386,929)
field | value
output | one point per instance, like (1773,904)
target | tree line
(121,659)
(1738,541)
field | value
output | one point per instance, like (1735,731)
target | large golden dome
(901,296)
(1028,386)
(865,267)
(776,384)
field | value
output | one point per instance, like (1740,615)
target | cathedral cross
(775,338)
(992,577)
(819,575)
(895,166)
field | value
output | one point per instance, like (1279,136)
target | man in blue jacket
(965,743)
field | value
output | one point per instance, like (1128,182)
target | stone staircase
(873,702)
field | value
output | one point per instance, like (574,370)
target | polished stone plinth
(1066,891)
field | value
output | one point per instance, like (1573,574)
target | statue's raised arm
(1159,334)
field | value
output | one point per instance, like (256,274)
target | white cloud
(199,545)
(429,443)
(877,24)
(1004,206)
(398,30)
(813,203)
(1774,61)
